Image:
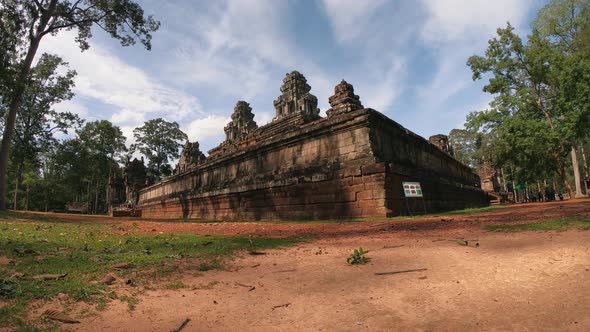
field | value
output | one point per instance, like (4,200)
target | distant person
(560,197)
(540,195)
(531,196)
(547,194)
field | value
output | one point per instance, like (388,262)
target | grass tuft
(560,224)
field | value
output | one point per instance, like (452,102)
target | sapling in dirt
(358,257)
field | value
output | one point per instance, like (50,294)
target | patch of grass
(132,301)
(176,285)
(86,251)
(472,210)
(210,285)
(560,224)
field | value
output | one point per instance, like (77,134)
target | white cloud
(207,128)
(128,90)
(451,20)
(348,17)
(73,107)
(125,117)
(233,47)
(382,93)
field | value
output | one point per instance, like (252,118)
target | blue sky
(405,59)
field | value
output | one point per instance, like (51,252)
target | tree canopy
(541,86)
(160,141)
(23,25)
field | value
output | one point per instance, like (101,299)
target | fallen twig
(122,266)
(392,247)
(397,272)
(182,326)
(281,306)
(291,270)
(255,265)
(49,277)
(60,317)
(247,286)
(380,224)
(254,252)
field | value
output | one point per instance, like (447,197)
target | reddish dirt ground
(526,281)
(521,213)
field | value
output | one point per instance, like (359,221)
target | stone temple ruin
(348,164)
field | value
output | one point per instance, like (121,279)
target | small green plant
(176,285)
(358,257)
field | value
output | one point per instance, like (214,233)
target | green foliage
(160,141)
(541,88)
(23,25)
(358,257)
(103,140)
(37,122)
(560,224)
(87,251)
(466,146)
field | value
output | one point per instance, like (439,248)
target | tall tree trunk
(96,200)
(577,178)
(15,203)
(503,180)
(27,198)
(584,160)
(585,167)
(563,176)
(16,97)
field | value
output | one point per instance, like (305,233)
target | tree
(103,146)
(466,144)
(565,24)
(160,141)
(32,20)
(103,139)
(534,93)
(37,121)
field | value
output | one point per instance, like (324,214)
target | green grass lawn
(560,224)
(87,251)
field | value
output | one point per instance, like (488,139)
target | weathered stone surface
(191,156)
(442,142)
(490,177)
(348,165)
(296,98)
(242,122)
(343,100)
(135,178)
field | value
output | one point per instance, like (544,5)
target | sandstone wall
(446,183)
(348,165)
(323,169)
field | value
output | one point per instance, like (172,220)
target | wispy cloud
(460,20)
(350,17)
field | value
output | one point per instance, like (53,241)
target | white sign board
(412,189)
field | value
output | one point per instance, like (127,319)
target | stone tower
(295,97)
(344,100)
(442,142)
(191,155)
(242,122)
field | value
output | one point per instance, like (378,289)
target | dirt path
(450,224)
(522,281)
(529,281)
